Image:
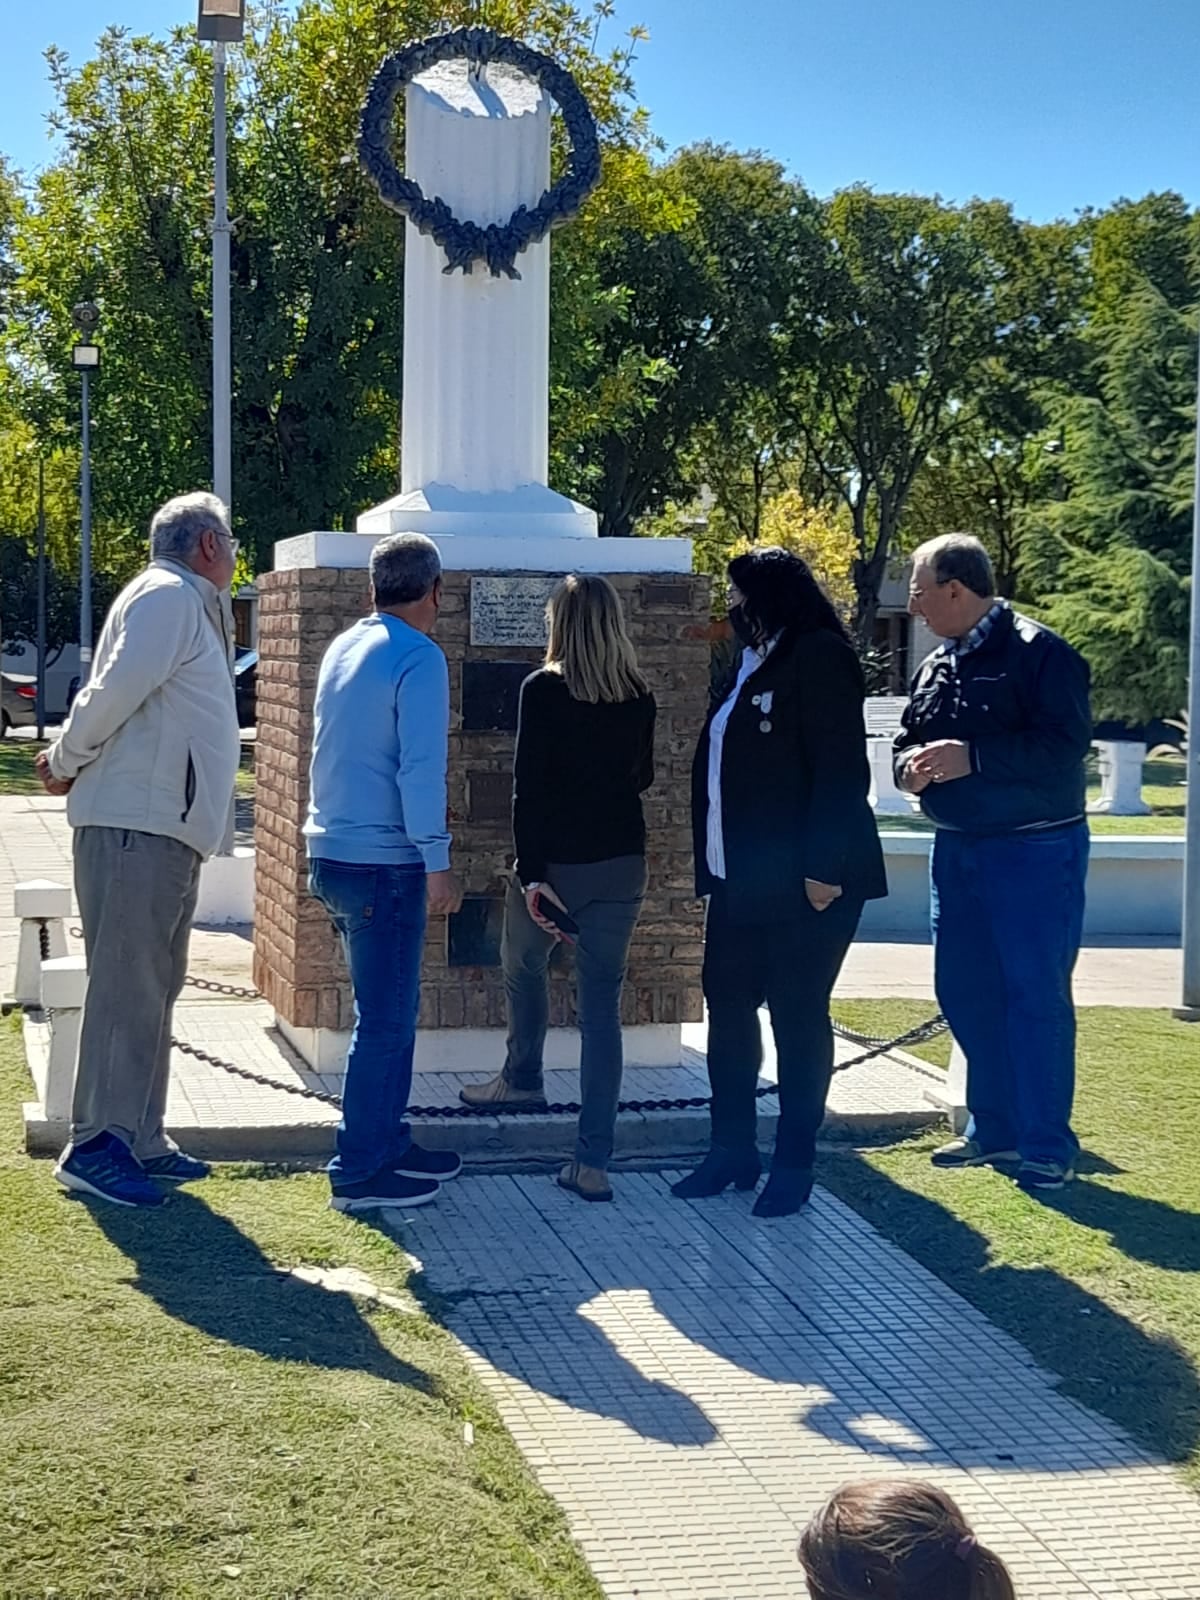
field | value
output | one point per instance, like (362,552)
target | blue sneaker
(176,1167)
(107,1170)
(440,1165)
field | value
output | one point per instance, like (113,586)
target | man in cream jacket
(148,759)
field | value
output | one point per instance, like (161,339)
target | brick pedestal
(297,962)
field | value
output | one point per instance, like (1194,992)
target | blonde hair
(897,1539)
(588,644)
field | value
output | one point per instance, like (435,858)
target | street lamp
(221,22)
(1189,1008)
(85,358)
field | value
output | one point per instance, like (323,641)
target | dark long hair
(782,595)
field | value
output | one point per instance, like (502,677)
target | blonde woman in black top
(585,756)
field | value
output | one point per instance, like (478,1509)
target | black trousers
(791,967)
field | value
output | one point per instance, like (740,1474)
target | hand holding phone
(545,909)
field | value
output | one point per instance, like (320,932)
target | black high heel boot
(719,1169)
(785,1191)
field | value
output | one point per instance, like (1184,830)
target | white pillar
(64,986)
(36,904)
(1121,762)
(885,797)
(475,441)
(956,1089)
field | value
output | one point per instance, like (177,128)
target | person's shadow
(202,1270)
(833,1323)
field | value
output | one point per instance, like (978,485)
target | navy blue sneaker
(384,1189)
(440,1165)
(106,1169)
(176,1167)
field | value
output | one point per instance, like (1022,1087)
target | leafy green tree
(912,324)
(694,310)
(122,217)
(1111,559)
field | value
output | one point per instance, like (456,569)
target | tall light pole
(85,358)
(221,22)
(41,599)
(1190,1007)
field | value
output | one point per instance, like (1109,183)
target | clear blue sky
(1053,104)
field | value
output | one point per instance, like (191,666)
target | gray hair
(176,527)
(958,556)
(404,568)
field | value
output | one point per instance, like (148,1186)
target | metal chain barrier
(872,1047)
(918,1035)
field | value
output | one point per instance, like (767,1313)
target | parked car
(245,682)
(18,701)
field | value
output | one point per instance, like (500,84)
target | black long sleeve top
(579,776)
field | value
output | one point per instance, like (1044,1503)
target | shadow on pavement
(202,1270)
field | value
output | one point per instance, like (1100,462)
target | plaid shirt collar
(971,641)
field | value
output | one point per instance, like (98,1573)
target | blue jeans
(380,914)
(1007,924)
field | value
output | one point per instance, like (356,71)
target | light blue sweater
(378,790)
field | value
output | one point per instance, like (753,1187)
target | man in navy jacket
(993,741)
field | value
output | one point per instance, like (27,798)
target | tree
(911,321)
(1111,559)
(695,306)
(122,217)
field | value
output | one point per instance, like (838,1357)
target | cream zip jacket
(152,742)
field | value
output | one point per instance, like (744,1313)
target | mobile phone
(562,920)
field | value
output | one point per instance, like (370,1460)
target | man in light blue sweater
(379,855)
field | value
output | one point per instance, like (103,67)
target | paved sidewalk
(690,1383)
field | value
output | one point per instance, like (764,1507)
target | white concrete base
(476,552)
(36,902)
(226,891)
(481,1050)
(886,799)
(64,988)
(531,512)
(1121,762)
(1134,886)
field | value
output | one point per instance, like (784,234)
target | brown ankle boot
(497,1092)
(589,1183)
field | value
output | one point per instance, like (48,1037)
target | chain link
(918,1035)
(873,1047)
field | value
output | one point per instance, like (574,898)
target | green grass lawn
(1101,1283)
(182,1418)
(1163,789)
(18,777)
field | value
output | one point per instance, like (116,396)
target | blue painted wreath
(464,243)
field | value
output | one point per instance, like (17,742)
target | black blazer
(794,783)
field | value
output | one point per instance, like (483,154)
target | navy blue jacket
(1021,701)
(794,783)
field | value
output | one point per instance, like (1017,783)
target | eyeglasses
(919,594)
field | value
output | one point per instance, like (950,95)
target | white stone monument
(882,715)
(475,419)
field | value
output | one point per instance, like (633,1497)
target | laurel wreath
(464,243)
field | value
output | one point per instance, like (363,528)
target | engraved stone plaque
(882,713)
(510,611)
(491,695)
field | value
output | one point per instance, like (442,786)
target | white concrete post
(887,799)
(956,1089)
(475,434)
(38,903)
(64,985)
(1121,763)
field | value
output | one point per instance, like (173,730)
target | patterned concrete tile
(685,1382)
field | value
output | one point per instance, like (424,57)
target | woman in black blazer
(787,853)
